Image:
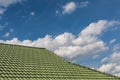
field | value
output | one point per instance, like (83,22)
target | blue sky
(82,31)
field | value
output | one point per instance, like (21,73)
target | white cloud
(90,33)
(107,67)
(79,50)
(102,25)
(113,64)
(70,46)
(115,57)
(70,7)
(112,41)
(14,41)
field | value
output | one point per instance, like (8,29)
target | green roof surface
(28,63)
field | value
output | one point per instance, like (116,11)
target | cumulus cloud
(13,41)
(72,47)
(113,64)
(70,7)
(115,57)
(107,67)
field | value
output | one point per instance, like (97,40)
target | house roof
(29,63)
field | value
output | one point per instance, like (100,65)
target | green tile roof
(28,63)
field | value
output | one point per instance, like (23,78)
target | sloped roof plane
(28,63)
